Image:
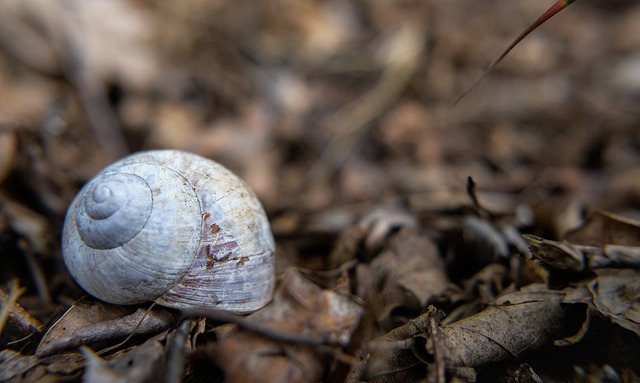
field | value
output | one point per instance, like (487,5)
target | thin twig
(549,13)
(9,301)
(176,351)
(285,337)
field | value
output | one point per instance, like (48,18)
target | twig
(549,13)
(285,337)
(176,352)
(8,302)
(36,272)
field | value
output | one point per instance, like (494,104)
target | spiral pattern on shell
(172,227)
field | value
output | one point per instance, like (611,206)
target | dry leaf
(616,295)
(561,255)
(567,256)
(143,363)
(13,364)
(516,323)
(301,308)
(603,228)
(409,273)
(87,323)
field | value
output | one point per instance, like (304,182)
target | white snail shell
(171,227)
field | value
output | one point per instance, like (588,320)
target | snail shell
(171,227)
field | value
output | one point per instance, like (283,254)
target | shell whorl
(132,232)
(114,209)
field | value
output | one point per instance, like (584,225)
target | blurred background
(326,108)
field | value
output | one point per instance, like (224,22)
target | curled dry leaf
(516,323)
(91,322)
(486,235)
(561,255)
(616,295)
(566,256)
(397,355)
(604,240)
(299,307)
(381,222)
(366,238)
(409,273)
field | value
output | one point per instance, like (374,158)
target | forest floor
(398,219)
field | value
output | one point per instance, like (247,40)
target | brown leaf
(516,323)
(299,307)
(394,357)
(616,295)
(603,228)
(88,323)
(409,273)
(567,256)
(143,363)
(13,364)
(561,255)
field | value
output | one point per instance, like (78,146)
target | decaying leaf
(561,255)
(143,363)
(616,295)
(366,238)
(328,109)
(91,322)
(475,229)
(603,228)
(515,324)
(604,240)
(381,222)
(301,308)
(397,355)
(408,273)
(14,364)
